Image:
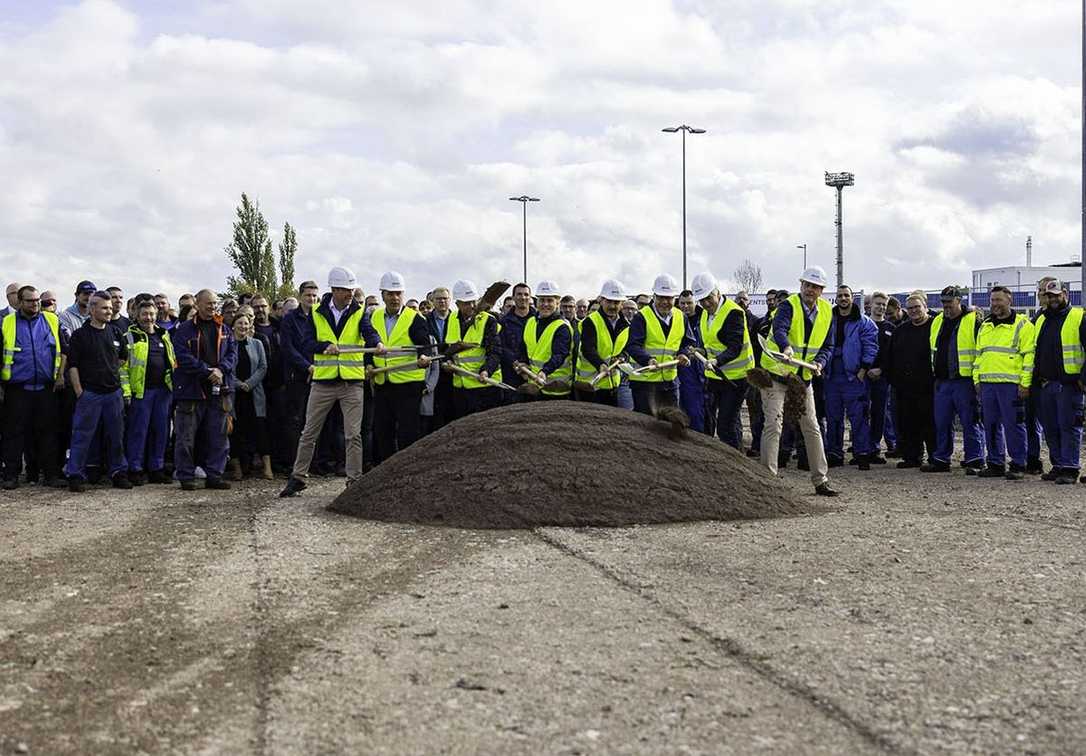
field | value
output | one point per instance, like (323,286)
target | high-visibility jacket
(347,367)
(661,347)
(539,352)
(802,348)
(1005,352)
(474,358)
(1074,356)
(134,369)
(966,342)
(10,332)
(737,369)
(400,337)
(606,347)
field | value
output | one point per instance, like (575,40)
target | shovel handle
(661,366)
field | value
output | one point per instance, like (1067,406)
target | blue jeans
(957,397)
(1004,422)
(90,408)
(1060,407)
(148,422)
(846,395)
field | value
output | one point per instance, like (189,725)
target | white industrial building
(1024,277)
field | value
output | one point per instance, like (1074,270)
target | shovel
(710,365)
(469,374)
(650,368)
(400,368)
(781,357)
(606,371)
(534,385)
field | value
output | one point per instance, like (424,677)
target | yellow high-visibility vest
(802,348)
(738,368)
(607,348)
(348,367)
(539,352)
(966,342)
(475,357)
(660,347)
(1074,357)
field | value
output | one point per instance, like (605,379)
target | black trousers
(250,432)
(445,405)
(30,427)
(395,418)
(331,451)
(367,425)
(469,401)
(276,402)
(599,396)
(650,396)
(914,419)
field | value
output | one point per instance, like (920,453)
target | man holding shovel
(336,376)
(472,393)
(546,352)
(603,340)
(659,337)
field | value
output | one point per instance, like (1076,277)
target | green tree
(251,252)
(287,249)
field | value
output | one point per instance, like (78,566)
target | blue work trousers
(957,397)
(148,429)
(206,419)
(882,423)
(1034,432)
(846,395)
(1004,417)
(1060,407)
(90,409)
(692,396)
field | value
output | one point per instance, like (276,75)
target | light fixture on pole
(524,199)
(684,129)
(839,181)
(804,248)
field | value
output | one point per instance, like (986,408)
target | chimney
(1029,251)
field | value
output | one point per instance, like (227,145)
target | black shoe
(1015,472)
(188,485)
(863,463)
(835,462)
(1034,467)
(972,471)
(782,461)
(753,453)
(1067,477)
(120,480)
(10,484)
(137,478)
(992,471)
(75,485)
(341,471)
(935,467)
(94,474)
(803,464)
(823,489)
(907,464)
(1082,479)
(56,483)
(157,477)
(294,485)
(875,459)
(217,484)
(892,453)
(1052,474)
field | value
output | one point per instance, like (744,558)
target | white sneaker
(200,474)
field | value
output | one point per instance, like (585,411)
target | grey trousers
(323,395)
(773,407)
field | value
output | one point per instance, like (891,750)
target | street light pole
(524,199)
(804,245)
(684,128)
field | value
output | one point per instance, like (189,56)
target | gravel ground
(928,613)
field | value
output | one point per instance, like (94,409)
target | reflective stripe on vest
(134,370)
(539,352)
(607,349)
(1005,352)
(474,358)
(400,337)
(1073,355)
(659,347)
(801,349)
(966,341)
(10,334)
(738,368)
(329,367)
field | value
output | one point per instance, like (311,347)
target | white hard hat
(392,281)
(464,291)
(666,286)
(341,278)
(814,275)
(547,289)
(613,290)
(703,285)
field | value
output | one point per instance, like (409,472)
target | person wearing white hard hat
(603,339)
(396,394)
(659,334)
(722,326)
(438,321)
(547,347)
(469,394)
(512,336)
(336,376)
(800,328)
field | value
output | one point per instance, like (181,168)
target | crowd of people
(130,391)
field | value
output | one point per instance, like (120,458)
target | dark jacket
(292,335)
(906,362)
(512,337)
(886,330)
(273,349)
(856,343)
(190,377)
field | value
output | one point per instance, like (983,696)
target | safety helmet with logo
(703,285)
(464,291)
(665,286)
(392,281)
(341,278)
(814,275)
(613,291)
(547,289)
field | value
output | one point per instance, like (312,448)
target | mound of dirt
(568,464)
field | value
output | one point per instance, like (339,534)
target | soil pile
(569,464)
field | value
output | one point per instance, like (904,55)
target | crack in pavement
(260,647)
(734,650)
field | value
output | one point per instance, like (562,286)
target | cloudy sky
(391,135)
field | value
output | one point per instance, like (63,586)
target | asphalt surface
(929,613)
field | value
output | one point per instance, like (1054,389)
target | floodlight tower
(524,199)
(839,181)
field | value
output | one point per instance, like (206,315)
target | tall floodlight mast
(839,181)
